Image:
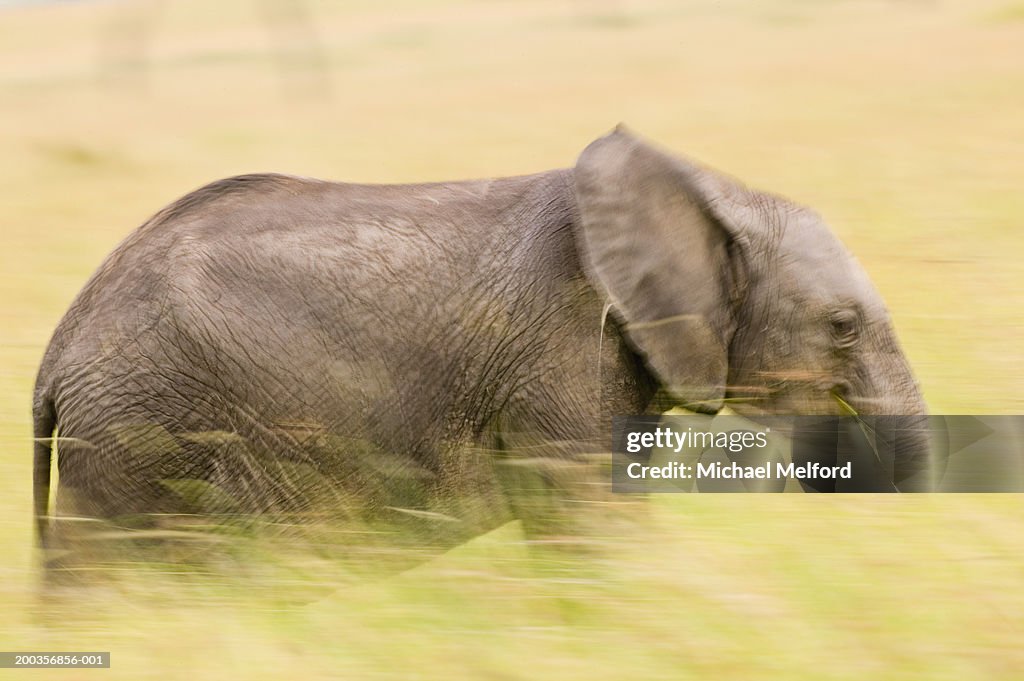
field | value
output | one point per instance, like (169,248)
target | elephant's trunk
(897,420)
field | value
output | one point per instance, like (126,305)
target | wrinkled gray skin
(428,320)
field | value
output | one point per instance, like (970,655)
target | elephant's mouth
(785,393)
(801,392)
(830,423)
(886,453)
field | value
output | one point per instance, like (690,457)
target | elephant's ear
(651,240)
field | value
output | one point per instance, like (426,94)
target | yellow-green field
(901,121)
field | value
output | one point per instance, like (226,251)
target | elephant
(267,329)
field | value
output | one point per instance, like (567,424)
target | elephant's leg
(550,480)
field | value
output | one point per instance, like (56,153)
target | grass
(1012,12)
(900,122)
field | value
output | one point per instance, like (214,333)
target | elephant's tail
(44,420)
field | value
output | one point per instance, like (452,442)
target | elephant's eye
(844,325)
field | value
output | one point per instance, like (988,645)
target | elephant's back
(305,207)
(273,226)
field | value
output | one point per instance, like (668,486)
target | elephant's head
(731,293)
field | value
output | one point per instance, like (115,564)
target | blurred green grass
(901,122)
